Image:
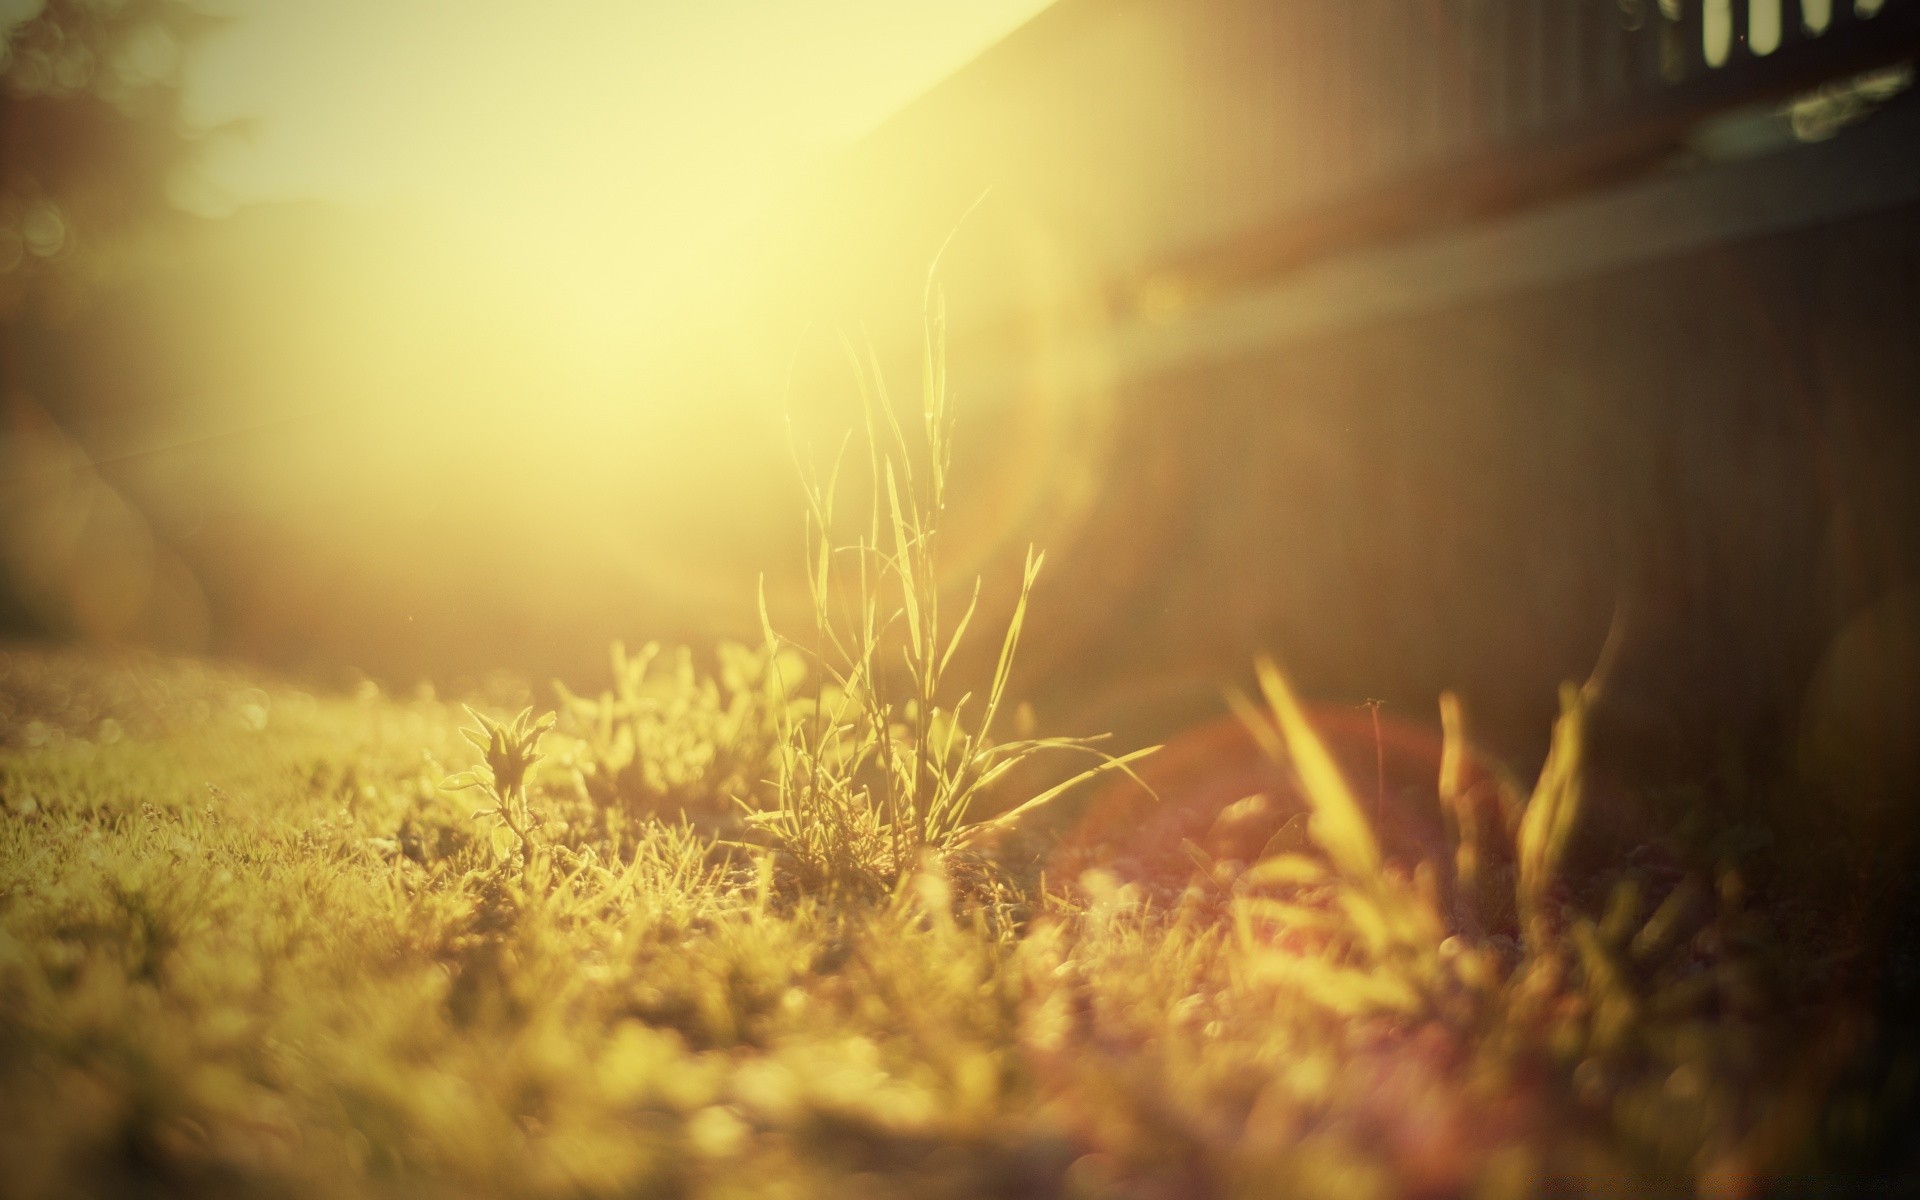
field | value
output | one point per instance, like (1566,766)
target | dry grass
(274,956)
(883,766)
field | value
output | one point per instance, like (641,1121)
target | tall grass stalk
(885,764)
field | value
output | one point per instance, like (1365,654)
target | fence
(1348,120)
(1214,142)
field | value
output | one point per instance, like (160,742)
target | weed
(511,748)
(1633,1005)
(883,765)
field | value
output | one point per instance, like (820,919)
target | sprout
(511,749)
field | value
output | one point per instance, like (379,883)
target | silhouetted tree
(91,137)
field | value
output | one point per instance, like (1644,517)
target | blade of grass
(1338,823)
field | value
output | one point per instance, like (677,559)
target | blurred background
(419,338)
(1409,342)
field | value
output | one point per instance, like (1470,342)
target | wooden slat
(1616,42)
(1425,95)
(1685,53)
(1220,76)
(1341,156)
(1526,80)
(1269,87)
(1296,116)
(1560,51)
(1483,48)
(1315,19)
(1363,62)
(1393,57)
(1453,88)
(1572,48)
(1650,40)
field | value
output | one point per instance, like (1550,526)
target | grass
(882,767)
(669,741)
(275,956)
(743,936)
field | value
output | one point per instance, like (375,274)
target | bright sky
(596,136)
(530,267)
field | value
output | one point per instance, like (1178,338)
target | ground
(251,945)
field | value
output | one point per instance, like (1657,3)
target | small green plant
(510,749)
(883,765)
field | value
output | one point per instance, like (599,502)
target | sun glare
(530,217)
(486,268)
(583,155)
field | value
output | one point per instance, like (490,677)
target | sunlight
(466,217)
(688,598)
(514,261)
(588,154)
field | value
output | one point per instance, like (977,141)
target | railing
(1458,106)
(1202,144)
(1403,80)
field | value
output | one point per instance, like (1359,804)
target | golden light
(583,165)
(496,298)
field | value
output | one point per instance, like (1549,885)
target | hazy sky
(535,248)
(581,158)
(504,103)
